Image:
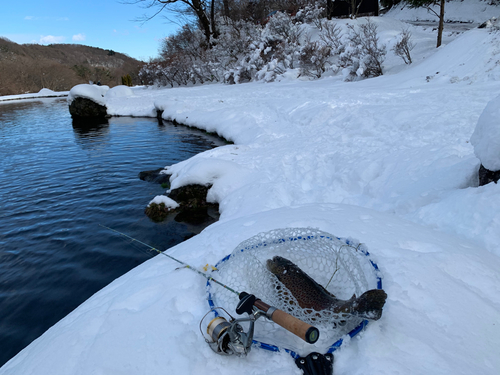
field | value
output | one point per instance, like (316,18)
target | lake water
(58,182)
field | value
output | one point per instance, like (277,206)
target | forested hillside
(28,68)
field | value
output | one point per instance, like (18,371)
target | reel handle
(305,331)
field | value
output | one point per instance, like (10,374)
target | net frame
(282,239)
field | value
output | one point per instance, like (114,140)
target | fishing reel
(227,335)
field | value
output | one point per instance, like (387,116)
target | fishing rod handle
(306,332)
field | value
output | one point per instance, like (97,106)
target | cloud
(33,18)
(79,37)
(51,39)
(141,30)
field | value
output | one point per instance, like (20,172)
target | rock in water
(86,108)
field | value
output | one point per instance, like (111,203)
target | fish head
(279,265)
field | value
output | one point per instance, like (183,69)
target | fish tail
(369,305)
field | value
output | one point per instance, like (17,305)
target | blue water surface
(58,182)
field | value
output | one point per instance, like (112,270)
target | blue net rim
(273,348)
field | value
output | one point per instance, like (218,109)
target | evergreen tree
(127,80)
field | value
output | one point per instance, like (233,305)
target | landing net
(342,266)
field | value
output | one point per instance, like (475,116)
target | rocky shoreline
(193,208)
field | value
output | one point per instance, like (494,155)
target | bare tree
(428,5)
(404,46)
(197,7)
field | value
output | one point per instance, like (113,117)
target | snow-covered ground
(387,161)
(467,11)
(43,93)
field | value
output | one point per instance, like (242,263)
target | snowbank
(387,161)
(486,136)
(43,93)
(119,92)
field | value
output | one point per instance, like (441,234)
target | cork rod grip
(305,331)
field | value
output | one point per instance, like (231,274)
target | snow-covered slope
(470,11)
(387,161)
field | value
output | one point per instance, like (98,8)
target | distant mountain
(27,68)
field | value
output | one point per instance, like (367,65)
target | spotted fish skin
(310,295)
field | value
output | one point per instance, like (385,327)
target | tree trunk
(202,17)
(441,24)
(212,19)
(329,9)
(226,8)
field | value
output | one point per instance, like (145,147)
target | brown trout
(310,295)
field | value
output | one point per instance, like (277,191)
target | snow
(43,93)
(471,11)
(387,161)
(486,136)
(168,202)
(120,91)
(93,92)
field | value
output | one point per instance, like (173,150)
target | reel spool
(227,336)
(217,330)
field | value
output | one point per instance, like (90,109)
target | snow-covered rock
(168,202)
(93,92)
(87,101)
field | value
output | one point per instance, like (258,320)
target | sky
(107,24)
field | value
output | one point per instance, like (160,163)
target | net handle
(306,332)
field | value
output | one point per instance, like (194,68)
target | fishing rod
(208,277)
(229,337)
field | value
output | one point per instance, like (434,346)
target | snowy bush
(311,13)
(245,51)
(404,46)
(283,37)
(331,35)
(362,56)
(313,58)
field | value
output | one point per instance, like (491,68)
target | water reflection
(84,126)
(90,130)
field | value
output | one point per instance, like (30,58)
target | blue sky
(107,24)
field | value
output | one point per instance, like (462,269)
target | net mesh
(341,266)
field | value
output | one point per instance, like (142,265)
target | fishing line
(210,278)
